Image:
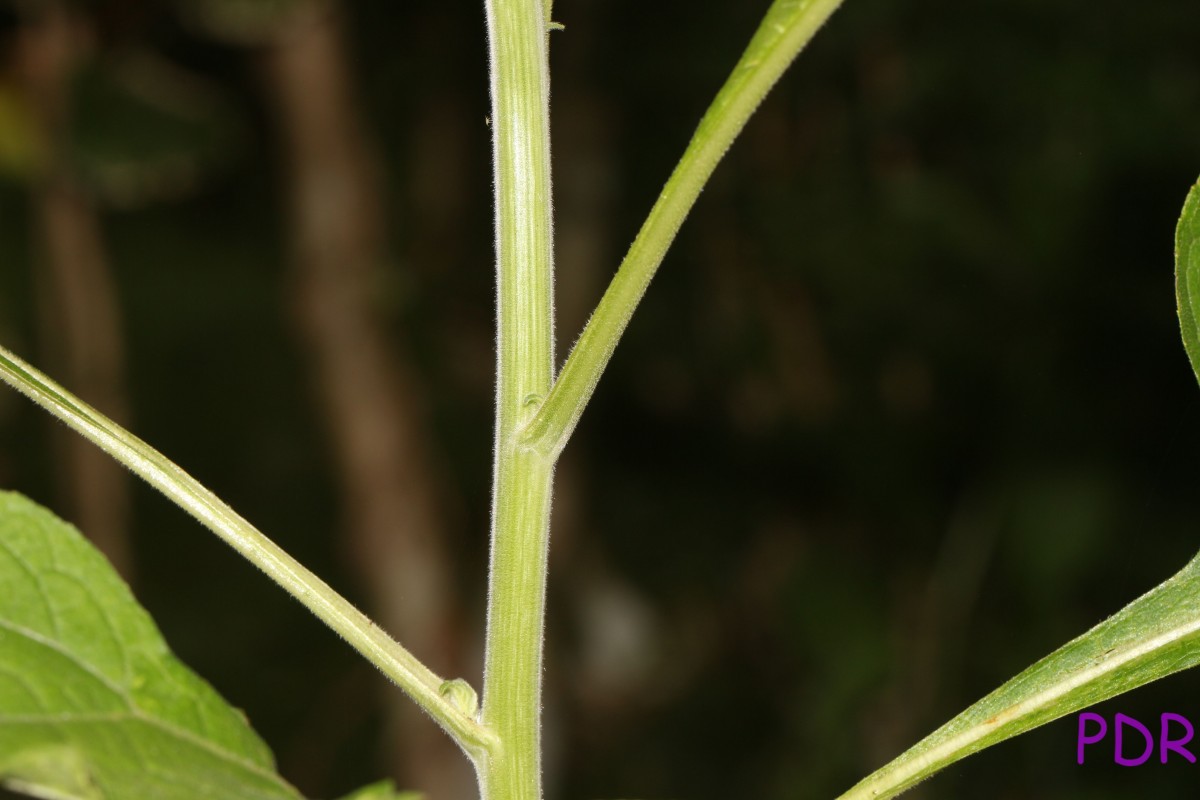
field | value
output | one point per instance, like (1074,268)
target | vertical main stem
(517,44)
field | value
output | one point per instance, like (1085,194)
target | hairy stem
(517,45)
(786,29)
(366,637)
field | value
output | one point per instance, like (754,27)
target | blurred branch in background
(373,399)
(78,305)
(932,618)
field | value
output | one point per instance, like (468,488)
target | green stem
(786,29)
(517,42)
(318,597)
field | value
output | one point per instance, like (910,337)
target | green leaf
(1156,635)
(1187,275)
(93,706)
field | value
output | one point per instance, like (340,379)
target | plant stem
(785,30)
(318,597)
(517,49)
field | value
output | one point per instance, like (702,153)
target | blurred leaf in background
(146,130)
(22,152)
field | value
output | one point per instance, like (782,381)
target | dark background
(905,409)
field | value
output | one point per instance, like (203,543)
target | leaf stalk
(401,666)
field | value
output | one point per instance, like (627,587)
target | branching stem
(786,29)
(517,43)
